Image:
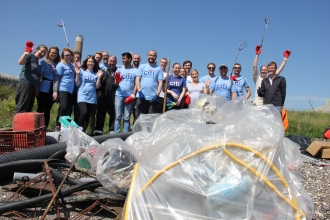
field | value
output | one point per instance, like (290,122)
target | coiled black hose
(43,153)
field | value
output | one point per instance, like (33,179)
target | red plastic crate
(20,140)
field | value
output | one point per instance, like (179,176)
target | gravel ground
(317,184)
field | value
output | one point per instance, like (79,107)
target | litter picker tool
(62,26)
(233,77)
(263,36)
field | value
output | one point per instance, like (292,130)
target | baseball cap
(223,65)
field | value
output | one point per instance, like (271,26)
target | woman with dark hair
(88,79)
(66,71)
(29,78)
(45,89)
(176,88)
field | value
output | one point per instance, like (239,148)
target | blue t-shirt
(203,79)
(68,74)
(102,66)
(47,77)
(126,85)
(240,84)
(87,87)
(149,79)
(175,84)
(223,87)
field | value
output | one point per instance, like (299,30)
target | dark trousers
(45,104)
(76,109)
(65,105)
(24,98)
(105,105)
(85,114)
(145,107)
(160,104)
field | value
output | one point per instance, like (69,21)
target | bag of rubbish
(302,141)
(115,160)
(79,142)
(145,122)
(234,169)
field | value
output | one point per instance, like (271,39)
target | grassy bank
(306,123)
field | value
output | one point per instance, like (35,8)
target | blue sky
(200,31)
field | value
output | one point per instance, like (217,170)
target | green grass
(306,123)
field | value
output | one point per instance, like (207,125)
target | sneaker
(57,129)
(111,132)
(97,134)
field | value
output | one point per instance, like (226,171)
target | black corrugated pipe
(29,203)
(43,153)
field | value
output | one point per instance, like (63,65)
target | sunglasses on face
(223,68)
(211,68)
(237,68)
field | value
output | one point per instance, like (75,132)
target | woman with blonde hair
(66,71)
(45,89)
(29,78)
(196,88)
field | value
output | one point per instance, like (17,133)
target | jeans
(120,107)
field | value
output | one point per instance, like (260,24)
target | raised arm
(286,56)
(98,82)
(255,64)
(77,70)
(28,49)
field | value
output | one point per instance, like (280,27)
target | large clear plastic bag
(234,169)
(79,142)
(115,160)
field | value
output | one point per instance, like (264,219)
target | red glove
(233,77)
(258,49)
(118,77)
(187,100)
(287,53)
(29,46)
(129,100)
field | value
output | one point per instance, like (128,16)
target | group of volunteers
(97,85)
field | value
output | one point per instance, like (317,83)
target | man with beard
(106,100)
(222,85)
(240,82)
(136,61)
(105,58)
(149,82)
(136,64)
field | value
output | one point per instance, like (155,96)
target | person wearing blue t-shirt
(211,76)
(45,98)
(222,85)
(125,93)
(149,82)
(88,80)
(66,71)
(176,89)
(240,82)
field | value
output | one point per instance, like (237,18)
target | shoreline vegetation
(306,123)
